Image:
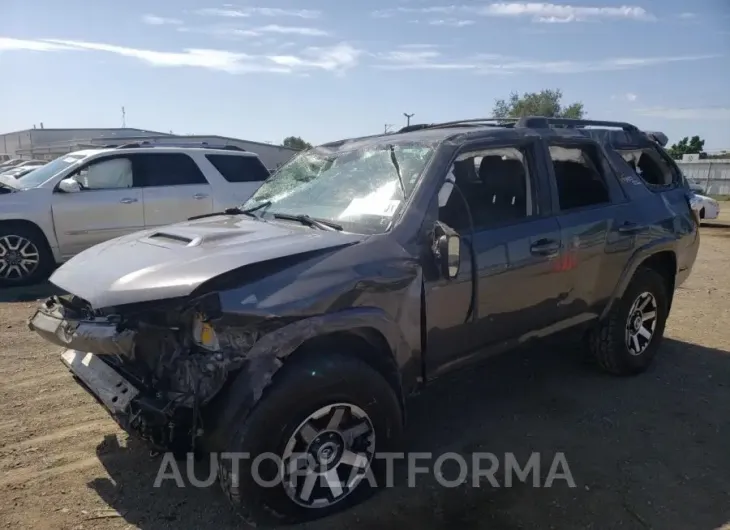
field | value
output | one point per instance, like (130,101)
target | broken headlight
(204,334)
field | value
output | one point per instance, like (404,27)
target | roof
(194,136)
(616,133)
(156,149)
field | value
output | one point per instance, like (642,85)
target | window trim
(532,173)
(616,194)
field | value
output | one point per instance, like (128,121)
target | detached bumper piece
(105,383)
(62,326)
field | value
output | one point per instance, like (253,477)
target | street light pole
(408,118)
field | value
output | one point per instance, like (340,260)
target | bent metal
(362,270)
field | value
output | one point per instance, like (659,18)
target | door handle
(630,228)
(128,200)
(199,196)
(545,247)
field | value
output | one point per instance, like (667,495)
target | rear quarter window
(239,168)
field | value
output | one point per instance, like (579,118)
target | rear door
(243,175)
(109,204)
(599,225)
(174,188)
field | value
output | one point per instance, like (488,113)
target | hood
(173,260)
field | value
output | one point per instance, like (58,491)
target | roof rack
(197,145)
(541,122)
(472,122)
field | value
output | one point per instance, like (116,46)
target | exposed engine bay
(177,354)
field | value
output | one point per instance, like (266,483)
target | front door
(516,252)
(109,204)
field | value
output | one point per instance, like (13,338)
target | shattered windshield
(360,189)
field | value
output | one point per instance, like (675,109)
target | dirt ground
(646,452)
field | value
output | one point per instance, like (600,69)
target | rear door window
(239,168)
(579,177)
(169,169)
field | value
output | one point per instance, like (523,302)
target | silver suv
(87,197)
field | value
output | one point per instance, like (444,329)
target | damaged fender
(270,352)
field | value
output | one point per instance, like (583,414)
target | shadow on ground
(29,293)
(645,452)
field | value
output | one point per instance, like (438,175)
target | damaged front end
(154,366)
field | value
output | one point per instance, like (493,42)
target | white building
(47,144)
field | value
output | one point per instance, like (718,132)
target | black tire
(609,344)
(303,385)
(702,213)
(13,232)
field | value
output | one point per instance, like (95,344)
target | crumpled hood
(173,260)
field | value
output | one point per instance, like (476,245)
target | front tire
(25,258)
(329,413)
(626,342)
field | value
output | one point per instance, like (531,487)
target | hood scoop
(164,237)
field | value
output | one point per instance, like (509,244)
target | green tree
(544,103)
(296,142)
(687,146)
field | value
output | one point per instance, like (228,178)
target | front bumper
(58,325)
(133,408)
(104,383)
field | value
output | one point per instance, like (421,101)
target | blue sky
(325,70)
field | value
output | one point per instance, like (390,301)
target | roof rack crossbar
(192,145)
(542,122)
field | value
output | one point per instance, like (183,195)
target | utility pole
(387,128)
(124,118)
(408,118)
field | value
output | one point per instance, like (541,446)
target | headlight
(204,334)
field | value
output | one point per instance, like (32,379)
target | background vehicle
(90,196)
(18,172)
(708,207)
(359,272)
(23,164)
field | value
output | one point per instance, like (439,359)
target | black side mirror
(449,255)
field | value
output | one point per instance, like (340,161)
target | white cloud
(334,59)
(687,15)
(687,113)
(497,64)
(628,96)
(545,12)
(340,57)
(291,30)
(537,11)
(9,44)
(233,32)
(154,20)
(453,22)
(260,11)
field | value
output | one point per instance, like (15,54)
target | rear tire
(626,341)
(329,406)
(25,258)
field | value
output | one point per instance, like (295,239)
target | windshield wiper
(310,221)
(396,165)
(234,211)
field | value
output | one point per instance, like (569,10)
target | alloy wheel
(328,455)
(641,323)
(19,257)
